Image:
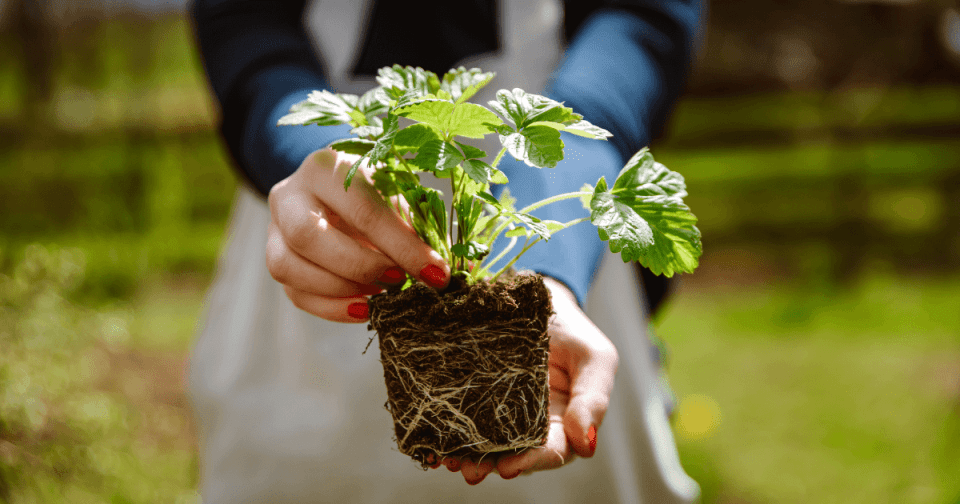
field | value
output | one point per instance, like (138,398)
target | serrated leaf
(467,119)
(462,84)
(357,146)
(437,156)
(471,152)
(588,130)
(537,146)
(524,108)
(384,145)
(658,231)
(534,224)
(488,198)
(373,103)
(367,131)
(399,81)
(353,171)
(643,176)
(580,128)
(414,136)
(477,170)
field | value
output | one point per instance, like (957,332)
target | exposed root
(466,371)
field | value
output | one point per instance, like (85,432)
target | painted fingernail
(433,275)
(392,275)
(358,310)
(514,475)
(371,289)
(592,438)
(453,464)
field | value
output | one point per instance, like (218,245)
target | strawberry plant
(417,122)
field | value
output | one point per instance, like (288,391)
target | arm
(623,70)
(259,61)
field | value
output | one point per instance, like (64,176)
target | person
(287,407)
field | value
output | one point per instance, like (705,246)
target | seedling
(466,370)
(642,215)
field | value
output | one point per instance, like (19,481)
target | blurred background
(815,354)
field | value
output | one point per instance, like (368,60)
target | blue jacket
(623,69)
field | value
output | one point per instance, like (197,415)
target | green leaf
(537,146)
(471,152)
(414,136)
(380,149)
(322,108)
(373,103)
(358,146)
(489,198)
(463,84)
(374,130)
(388,181)
(524,108)
(585,199)
(384,144)
(657,230)
(471,250)
(429,215)
(643,176)
(507,201)
(580,128)
(437,156)
(412,82)
(534,224)
(467,119)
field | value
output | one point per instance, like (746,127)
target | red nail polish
(370,289)
(592,438)
(393,274)
(514,475)
(358,310)
(433,275)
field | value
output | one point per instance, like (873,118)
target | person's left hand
(582,365)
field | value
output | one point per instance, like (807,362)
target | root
(466,372)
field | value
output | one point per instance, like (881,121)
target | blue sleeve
(623,71)
(259,61)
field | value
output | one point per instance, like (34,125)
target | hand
(582,365)
(331,248)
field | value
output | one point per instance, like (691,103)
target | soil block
(465,369)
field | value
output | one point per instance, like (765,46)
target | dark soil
(466,369)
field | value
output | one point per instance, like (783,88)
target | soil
(465,369)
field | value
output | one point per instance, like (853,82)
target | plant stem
(496,160)
(479,273)
(526,247)
(554,199)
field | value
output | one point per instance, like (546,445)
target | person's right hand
(331,248)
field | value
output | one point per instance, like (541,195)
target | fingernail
(592,438)
(433,275)
(392,275)
(453,464)
(371,289)
(358,310)
(514,475)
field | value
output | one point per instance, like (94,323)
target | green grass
(843,396)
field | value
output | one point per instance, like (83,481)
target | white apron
(289,410)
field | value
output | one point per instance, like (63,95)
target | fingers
(348,310)
(362,207)
(553,454)
(291,269)
(475,472)
(587,362)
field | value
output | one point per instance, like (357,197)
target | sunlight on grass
(825,397)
